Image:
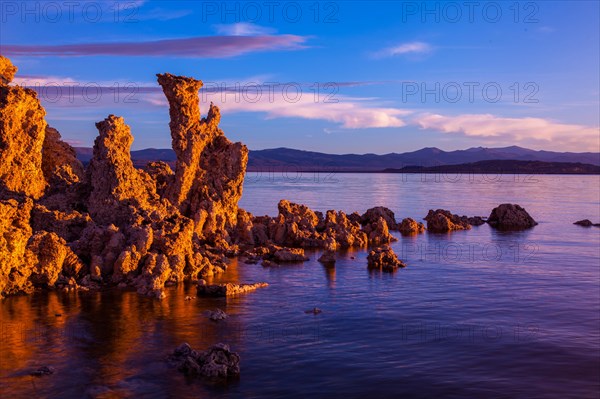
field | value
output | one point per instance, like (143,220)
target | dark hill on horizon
(278,159)
(505,167)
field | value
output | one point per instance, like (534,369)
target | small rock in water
(220,290)
(409,226)
(268,263)
(584,223)
(217,315)
(45,370)
(313,311)
(510,217)
(58,314)
(385,259)
(218,362)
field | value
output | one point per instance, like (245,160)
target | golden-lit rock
(53,257)
(210,169)
(119,192)
(15,259)
(22,132)
(384,258)
(60,165)
(409,226)
(7,71)
(443,221)
(228,289)
(372,216)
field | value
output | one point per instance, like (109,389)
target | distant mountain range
(278,159)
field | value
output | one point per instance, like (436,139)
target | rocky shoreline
(66,226)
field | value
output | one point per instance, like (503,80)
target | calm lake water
(476,314)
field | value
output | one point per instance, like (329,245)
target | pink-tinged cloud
(526,131)
(194,47)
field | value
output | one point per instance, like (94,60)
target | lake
(478,313)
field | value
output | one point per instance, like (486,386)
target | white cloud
(404,49)
(243,29)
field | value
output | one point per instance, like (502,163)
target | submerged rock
(584,223)
(217,362)
(313,311)
(475,220)
(290,255)
(385,259)
(217,315)
(510,217)
(45,370)
(328,256)
(221,290)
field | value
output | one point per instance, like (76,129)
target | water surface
(479,313)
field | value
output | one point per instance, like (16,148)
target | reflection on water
(475,314)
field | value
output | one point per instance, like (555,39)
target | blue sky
(390,76)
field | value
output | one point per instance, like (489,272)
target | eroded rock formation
(210,169)
(112,223)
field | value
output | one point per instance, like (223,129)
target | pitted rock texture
(15,258)
(7,71)
(120,193)
(22,133)
(60,165)
(210,169)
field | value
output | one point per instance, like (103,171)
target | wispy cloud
(194,47)
(404,49)
(162,14)
(243,29)
(349,112)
